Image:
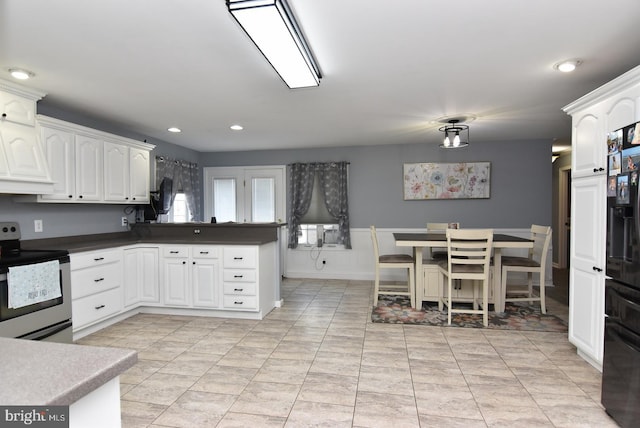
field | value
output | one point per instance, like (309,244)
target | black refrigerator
(621,361)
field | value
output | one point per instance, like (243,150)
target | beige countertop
(45,373)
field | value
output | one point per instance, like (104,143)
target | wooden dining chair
(392,261)
(437,253)
(468,258)
(535,263)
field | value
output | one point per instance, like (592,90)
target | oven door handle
(47,332)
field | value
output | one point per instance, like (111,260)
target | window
(318,204)
(315,224)
(179,212)
(245,194)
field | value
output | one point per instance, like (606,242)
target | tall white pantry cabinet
(610,107)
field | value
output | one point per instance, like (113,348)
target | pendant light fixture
(456,135)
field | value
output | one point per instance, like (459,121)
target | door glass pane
(224,199)
(263,208)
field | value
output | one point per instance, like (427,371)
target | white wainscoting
(357,263)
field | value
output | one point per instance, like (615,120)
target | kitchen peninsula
(226,270)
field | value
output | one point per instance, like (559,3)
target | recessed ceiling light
(568,65)
(21,73)
(174,129)
(236,127)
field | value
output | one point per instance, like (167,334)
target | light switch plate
(37,225)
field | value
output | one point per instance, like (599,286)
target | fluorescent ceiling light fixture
(21,73)
(237,127)
(274,30)
(567,66)
(174,129)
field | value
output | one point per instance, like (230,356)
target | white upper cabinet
(88,168)
(139,175)
(91,166)
(23,166)
(18,108)
(59,148)
(126,173)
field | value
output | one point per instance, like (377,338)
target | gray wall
(520,182)
(521,177)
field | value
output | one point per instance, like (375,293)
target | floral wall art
(465,180)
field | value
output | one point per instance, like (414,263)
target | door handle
(597,269)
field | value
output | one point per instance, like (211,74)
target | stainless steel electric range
(43,311)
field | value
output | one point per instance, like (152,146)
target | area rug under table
(517,316)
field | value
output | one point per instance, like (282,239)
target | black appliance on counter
(621,362)
(49,319)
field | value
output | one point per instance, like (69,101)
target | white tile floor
(319,361)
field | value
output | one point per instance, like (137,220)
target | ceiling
(391,69)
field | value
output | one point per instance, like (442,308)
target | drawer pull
(98,280)
(97,259)
(204,252)
(99,307)
(238,276)
(238,303)
(238,258)
(238,289)
(174,252)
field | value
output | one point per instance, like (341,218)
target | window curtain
(333,178)
(300,190)
(186,179)
(334,183)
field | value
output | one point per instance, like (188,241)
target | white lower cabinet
(240,277)
(96,286)
(215,280)
(140,267)
(191,275)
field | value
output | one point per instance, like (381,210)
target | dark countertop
(45,373)
(165,233)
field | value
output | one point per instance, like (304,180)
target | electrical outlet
(37,225)
(125,221)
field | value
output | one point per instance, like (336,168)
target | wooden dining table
(419,241)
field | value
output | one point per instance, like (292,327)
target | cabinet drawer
(96,307)
(205,252)
(96,258)
(240,257)
(182,252)
(240,289)
(231,275)
(94,280)
(240,302)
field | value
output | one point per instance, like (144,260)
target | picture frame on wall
(462,180)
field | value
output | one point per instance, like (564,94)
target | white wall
(357,263)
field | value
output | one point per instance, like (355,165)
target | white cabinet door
(589,151)
(25,158)
(116,172)
(59,148)
(149,286)
(139,169)
(206,283)
(140,275)
(89,168)
(17,109)
(176,281)
(586,276)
